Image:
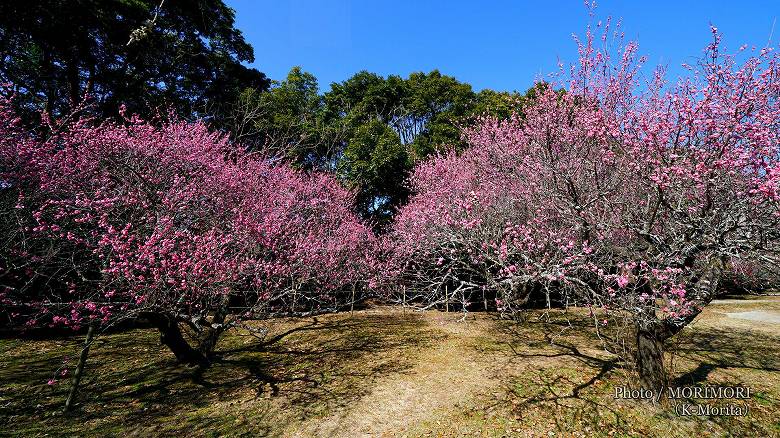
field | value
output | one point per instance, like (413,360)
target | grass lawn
(385,372)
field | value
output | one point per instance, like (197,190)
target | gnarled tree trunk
(207,339)
(172,337)
(651,332)
(650,359)
(206,335)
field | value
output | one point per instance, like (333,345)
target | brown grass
(385,372)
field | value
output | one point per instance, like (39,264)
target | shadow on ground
(315,366)
(557,376)
(715,349)
(548,373)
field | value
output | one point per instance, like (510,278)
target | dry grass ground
(385,372)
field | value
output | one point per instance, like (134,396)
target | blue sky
(503,45)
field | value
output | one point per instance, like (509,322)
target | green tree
(365,97)
(375,165)
(433,107)
(288,122)
(499,104)
(390,123)
(183,54)
(369,129)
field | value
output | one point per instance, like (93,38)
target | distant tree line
(369,130)
(186,58)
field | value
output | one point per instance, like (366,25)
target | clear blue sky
(503,45)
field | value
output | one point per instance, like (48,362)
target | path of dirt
(450,373)
(756,301)
(752,314)
(446,374)
(757,315)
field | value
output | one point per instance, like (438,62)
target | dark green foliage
(185,55)
(391,123)
(498,103)
(369,129)
(432,109)
(375,164)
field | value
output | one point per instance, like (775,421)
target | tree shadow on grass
(559,373)
(566,381)
(740,358)
(714,349)
(132,382)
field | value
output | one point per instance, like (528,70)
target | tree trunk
(352,303)
(652,333)
(171,336)
(74,388)
(212,332)
(650,360)
(74,89)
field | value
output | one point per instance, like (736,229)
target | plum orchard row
(625,195)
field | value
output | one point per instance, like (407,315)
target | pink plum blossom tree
(623,193)
(170,224)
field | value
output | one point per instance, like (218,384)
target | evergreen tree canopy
(185,55)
